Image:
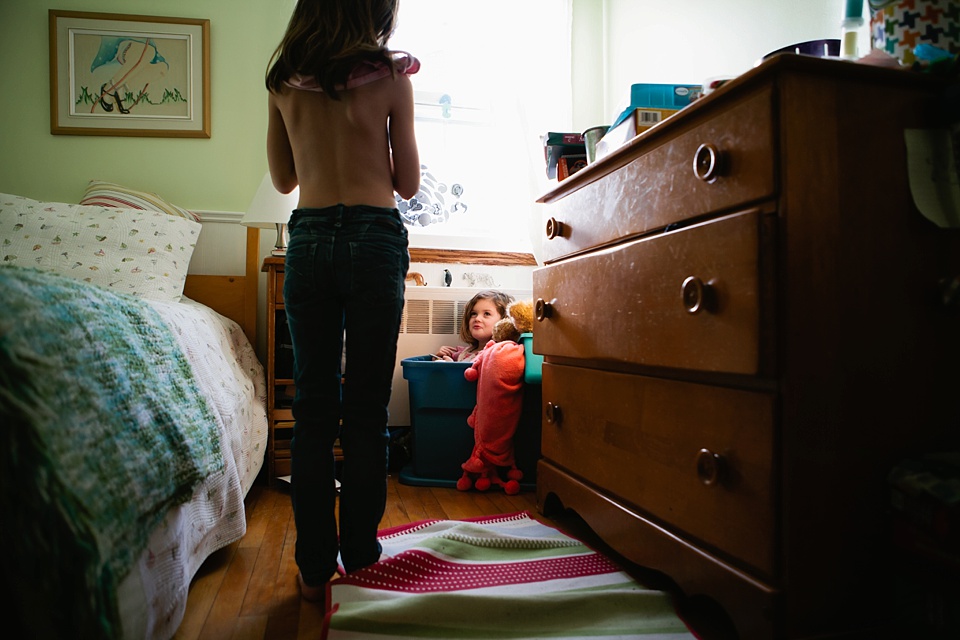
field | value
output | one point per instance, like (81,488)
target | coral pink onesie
(498,370)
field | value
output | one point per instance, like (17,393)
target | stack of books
(564,153)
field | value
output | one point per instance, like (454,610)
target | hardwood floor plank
(395,513)
(250,628)
(413,504)
(262,592)
(311,621)
(455,504)
(286,606)
(502,503)
(258,509)
(203,591)
(223,618)
(250,507)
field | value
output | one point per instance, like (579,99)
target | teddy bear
(498,371)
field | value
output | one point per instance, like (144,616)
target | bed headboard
(233,296)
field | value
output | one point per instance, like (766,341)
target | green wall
(217,173)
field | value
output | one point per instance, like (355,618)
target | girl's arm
(279,152)
(403,141)
(449,353)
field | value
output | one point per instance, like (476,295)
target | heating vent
(432,317)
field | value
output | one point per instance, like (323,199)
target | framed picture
(129,75)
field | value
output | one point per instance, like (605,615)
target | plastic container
(532,363)
(898,26)
(672,97)
(441,400)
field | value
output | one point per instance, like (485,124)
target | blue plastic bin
(532,363)
(441,400)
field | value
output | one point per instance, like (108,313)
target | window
(495,76)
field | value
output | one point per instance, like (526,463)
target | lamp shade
(269,207)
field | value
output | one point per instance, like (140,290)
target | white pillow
(143,253)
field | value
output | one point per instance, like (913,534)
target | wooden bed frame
(232,296)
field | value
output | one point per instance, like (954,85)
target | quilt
(104,430)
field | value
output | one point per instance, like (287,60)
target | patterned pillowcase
(143,253)
(108,194)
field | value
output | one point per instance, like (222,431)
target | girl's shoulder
(363,73)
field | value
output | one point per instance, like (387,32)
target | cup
(898,26)
(590,138)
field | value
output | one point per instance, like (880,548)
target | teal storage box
(441,400)
(532,363)
(659,96)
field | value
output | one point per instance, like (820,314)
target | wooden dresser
(741,319)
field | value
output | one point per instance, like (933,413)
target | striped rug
(506,576)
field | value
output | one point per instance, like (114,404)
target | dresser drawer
(641,438)
(659,187)
(636,303)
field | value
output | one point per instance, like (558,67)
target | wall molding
(464,256)
(230,217)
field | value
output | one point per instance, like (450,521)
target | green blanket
(104,430)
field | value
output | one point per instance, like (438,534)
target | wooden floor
(248,590)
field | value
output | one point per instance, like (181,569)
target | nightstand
(279,373)
(280,388)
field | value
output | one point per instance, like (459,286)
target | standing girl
(341,127)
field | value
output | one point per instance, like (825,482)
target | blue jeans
(344,275)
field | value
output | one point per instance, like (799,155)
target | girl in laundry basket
(483,311)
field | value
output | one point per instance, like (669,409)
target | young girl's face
(482,318)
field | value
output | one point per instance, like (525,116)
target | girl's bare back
(355,150)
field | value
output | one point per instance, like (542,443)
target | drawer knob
(697,295)
(711,467)
(553,414)
(543,309)
(707,163)
(555,228)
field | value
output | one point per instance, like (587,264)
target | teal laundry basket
(441,400)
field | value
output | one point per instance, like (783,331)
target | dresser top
(767,72)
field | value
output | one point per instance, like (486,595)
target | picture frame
(129,75)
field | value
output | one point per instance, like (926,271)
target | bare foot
(310,594)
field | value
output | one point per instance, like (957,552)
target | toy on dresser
(498,371)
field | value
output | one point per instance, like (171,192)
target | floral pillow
(143,253)
(108,194)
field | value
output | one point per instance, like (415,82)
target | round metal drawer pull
(696,295)
(543,309)
(553,414)
(706,163)
(554,228)
(711,467)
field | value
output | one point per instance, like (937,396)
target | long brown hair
(499,299)
(327,38)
